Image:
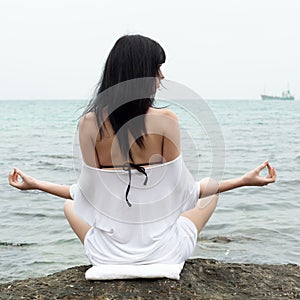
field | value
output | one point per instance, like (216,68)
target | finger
(19,172)
(275,174)
(12,180)
(9,178)
(15,176)
(261,167)
(270,171)
(269,168)
(271,178)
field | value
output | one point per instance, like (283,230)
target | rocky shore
(200,279)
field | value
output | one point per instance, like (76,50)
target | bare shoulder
(87,119)
(164,112)
(167,124)
(170,114)
(88,122)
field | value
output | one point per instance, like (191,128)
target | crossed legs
(199,215)
(208,199)
(202,212)
(76,223)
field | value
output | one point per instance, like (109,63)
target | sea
(250,225)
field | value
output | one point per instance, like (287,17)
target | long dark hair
(127,88)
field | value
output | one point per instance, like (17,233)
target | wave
(53,214)
(46,163)
(12,244)
(59,156)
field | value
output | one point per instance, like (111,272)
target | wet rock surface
(200,279)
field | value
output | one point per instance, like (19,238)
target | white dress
(151,230)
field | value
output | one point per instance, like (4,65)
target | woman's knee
(209,201)
(202,212)
(76,223)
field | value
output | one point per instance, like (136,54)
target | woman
(135,202)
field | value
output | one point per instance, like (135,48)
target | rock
(200,279)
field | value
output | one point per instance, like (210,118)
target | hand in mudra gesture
(26,182)
(253,177)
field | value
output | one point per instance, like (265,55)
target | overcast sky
(222,49)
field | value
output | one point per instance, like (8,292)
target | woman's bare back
(161,143)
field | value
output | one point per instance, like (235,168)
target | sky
(221,49)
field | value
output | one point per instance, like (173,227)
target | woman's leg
(76,223)
(202,212)
(205,206)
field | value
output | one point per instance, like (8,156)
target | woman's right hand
(27,182)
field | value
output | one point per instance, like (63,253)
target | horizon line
(70,99)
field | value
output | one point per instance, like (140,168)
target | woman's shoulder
(164,112)
(88,122)
(88,117)
(165,122)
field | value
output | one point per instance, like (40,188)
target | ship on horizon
(286,95)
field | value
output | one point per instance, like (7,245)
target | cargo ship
(286,95)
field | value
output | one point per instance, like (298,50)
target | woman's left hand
(253,178)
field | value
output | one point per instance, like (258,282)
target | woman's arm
(30,183)
(209,186)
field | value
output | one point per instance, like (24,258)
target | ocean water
(250,224)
